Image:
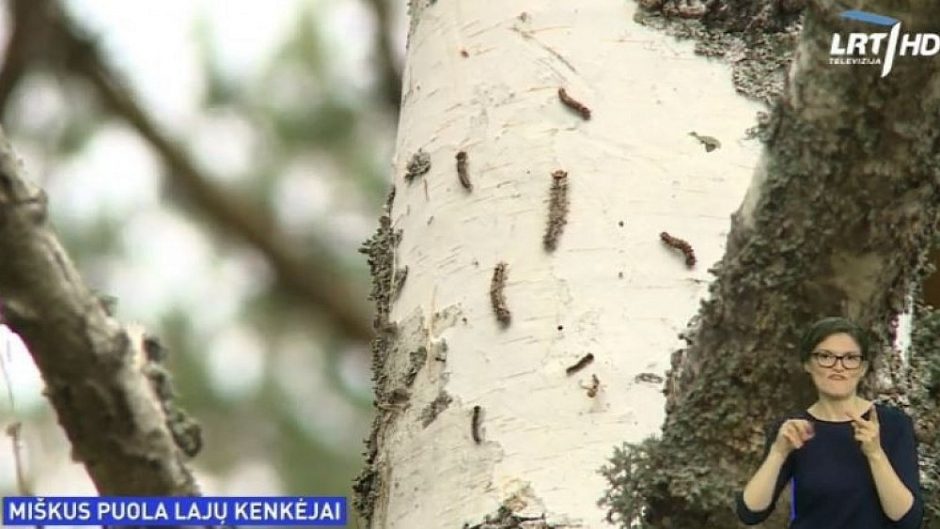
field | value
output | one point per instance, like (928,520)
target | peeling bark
(108,392)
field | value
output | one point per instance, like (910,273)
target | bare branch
(95,374)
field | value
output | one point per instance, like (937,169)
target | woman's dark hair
(826,327)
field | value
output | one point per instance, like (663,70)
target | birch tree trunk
(483,78)
(528,304)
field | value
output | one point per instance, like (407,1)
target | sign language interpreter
(851,463)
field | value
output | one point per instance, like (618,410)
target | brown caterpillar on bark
(574,104)
(557,210)
(497,298)
(475,425)
(462,171)
(580,364)
(681,245)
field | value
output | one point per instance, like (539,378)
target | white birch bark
(482,77)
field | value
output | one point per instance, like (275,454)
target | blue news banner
(321,511)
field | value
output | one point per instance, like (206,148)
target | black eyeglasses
(827,359)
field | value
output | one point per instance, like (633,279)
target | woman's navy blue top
(831,482)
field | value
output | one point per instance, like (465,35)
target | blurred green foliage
(326,122)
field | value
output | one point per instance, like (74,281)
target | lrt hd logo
(866,48)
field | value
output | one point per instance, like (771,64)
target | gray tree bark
(110,393)
(838,221)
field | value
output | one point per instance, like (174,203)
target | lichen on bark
(380,251)
(837,220)
(923,377)
(756,37)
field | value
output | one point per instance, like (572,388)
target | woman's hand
(792,435)
(867,432)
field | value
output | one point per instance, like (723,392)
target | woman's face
(837,381)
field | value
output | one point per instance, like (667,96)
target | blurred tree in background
(213,165)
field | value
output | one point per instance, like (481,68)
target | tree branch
(98,378)
(313,281)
